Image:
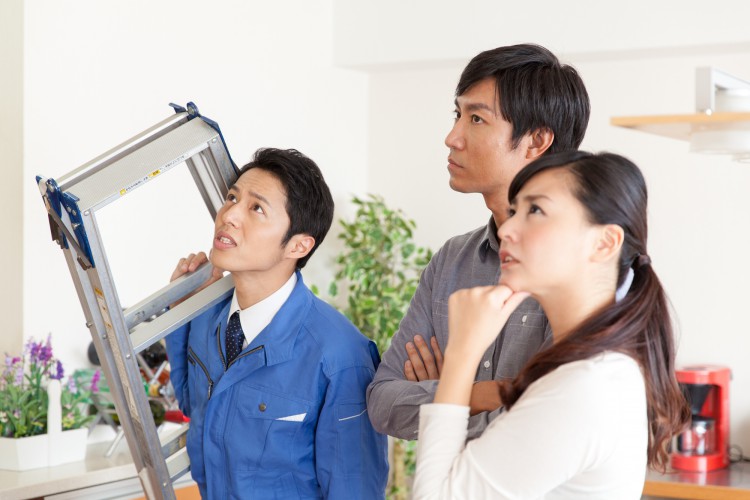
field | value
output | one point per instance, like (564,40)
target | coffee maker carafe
(704,445)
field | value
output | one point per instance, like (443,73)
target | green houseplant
(25,440)
(377,273)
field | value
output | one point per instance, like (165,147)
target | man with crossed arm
(513,104)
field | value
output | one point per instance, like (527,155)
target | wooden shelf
(682,126)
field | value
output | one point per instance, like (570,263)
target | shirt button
(523,320)
(486,364)
(262,407)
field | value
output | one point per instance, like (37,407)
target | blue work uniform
(287,418)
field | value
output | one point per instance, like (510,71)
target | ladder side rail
(121,150)
(97,329)
(226,171)
(213,173)
(141,435)
(209,190)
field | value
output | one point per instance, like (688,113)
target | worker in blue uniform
(274,379)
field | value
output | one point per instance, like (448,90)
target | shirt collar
(489,242)
(255,318)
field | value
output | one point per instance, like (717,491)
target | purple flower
(45,351)
(95,381)
(34,350)
(72,387)
(60,372)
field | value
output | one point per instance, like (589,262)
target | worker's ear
(538,142)
(299,246)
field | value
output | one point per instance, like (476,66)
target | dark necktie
(235,337)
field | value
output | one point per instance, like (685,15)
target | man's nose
(455,138)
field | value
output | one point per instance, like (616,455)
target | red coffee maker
(704,446)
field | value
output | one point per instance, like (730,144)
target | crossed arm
(427,364)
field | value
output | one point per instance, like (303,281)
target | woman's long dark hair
(612,190)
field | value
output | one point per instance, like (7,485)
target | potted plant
(377,273)
(33,432)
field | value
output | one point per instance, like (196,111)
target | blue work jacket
(287,418)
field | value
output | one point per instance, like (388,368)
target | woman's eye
(511,212)
(534,209)
(258,208)
(476,119)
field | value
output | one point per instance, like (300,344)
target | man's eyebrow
(254,194)
(475,106)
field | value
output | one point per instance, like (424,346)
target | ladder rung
(121,150)
(148,333)
(178,464)
(174,291)
(143,164)
(172,442)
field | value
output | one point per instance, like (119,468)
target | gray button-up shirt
(464,261)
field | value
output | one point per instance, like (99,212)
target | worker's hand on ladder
(188,265)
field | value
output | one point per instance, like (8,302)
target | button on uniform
(486,364)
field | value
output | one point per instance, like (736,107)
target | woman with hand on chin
(587,415)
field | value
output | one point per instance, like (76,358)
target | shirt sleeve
(552,433)
(393,401)
(177,352)
(351,458)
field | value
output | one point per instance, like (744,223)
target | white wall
(699,205)
(97,73)
(11,152)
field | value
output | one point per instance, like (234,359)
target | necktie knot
(235,337)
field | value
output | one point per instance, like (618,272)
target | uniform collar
(279,337)
(256,317)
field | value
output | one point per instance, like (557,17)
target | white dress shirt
(255,318)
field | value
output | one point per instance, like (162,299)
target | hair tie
(641,260)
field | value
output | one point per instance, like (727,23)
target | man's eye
(231,198)
(456,115)
(476,119)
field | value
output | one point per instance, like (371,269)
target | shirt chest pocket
(274,429)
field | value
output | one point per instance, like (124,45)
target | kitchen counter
(723,484)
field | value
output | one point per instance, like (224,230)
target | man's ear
(608,243)
(540,141)
(299,246)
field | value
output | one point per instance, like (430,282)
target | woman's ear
(299,246)
(540,141)
(609,243)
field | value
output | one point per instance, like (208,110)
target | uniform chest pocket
(275,429)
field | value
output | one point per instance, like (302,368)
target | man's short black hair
(535,91)
(309,203)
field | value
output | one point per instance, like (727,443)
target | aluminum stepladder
(120,335)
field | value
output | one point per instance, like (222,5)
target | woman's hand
(476,316)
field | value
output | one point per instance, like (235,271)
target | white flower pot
(23,453)
(67,446)
(19,454)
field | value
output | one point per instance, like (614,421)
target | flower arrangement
(23,392)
